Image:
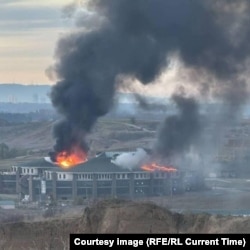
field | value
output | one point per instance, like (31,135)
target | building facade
(96,178)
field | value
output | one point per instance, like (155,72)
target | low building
(99,177)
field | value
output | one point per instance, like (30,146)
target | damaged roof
(101,163)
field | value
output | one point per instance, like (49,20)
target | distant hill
(16,93)
(19,93)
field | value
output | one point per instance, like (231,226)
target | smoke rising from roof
(135,39)
(131,160)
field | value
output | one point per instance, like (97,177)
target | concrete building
(99,177)
(233,153)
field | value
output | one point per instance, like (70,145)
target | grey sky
(29,30)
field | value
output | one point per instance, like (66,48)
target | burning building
(99,177)
(119,43)
(122,41)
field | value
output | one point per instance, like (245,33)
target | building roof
(40,163)
(101,163)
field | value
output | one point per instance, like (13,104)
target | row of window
(85,176)
(61,176)
(117,176)
(123,176)
(141,176)
(109,176)
(14,169)
(28,171)
(48,175)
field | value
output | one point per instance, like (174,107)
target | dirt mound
(10,216)
(118,216)
(115,216)
(133,217)
(206,223)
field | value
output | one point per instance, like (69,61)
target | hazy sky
(29,30)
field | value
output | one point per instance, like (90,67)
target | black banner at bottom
(226,241)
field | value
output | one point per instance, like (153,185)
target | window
(64,176)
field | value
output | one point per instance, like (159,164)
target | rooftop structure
(98,177)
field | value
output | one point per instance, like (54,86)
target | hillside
(36,138)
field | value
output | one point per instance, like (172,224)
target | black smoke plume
(134,39)
(179,131)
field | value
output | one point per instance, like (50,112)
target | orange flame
(155,167)
(68,160)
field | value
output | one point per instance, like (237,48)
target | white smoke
(48,159)
(131,160)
